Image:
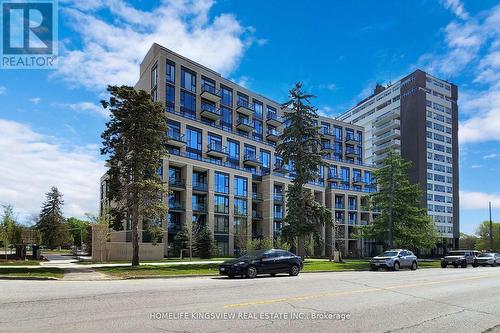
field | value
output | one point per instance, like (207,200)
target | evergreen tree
(134,141)
(181,241)
(402,222)
(300,145)
(205,243)
(51,222)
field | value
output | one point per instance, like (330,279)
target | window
(170,98)
(188,80)
(221,224)
(234,149)
(154,77)
(170,72)
(278,212)
(265,158)
(258,107)
(226,96)
(193,138)
(221,204)
(188,103)
(344,174)
(240,186)
(240,207)
(240,226)
(250,152)
(227,117)
(257,129)
(221,182)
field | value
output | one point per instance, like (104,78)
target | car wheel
(475,265)
(273,274)
(294,270)
(374,269)
(443,265)
(231,276)
(396,266)
(464,264)
(455,265)
(494,264)
(251,272)
(414,266)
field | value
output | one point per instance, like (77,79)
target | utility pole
(491,230)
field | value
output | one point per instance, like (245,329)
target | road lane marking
(351,292)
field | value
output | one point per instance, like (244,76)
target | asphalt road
(427,300)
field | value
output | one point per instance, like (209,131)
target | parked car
(460,258)
(394,259)
(492,259)
(262,262)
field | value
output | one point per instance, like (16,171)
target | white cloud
(113,49)
(457,8)
(472,46)
(326,111)
(328,86)
(476,166)
(87,107)
(2,90)
(36,162)
(35,100)
(490,156)
(478,200)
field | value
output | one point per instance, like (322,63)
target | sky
(51,120)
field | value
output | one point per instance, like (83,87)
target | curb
(33,278)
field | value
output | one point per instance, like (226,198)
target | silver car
(491,259)
(460,258)
(394,259)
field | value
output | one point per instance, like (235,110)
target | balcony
(358,181)
(273,135)
(327,148)
(210,111)
(280,167)
(333,176)
(351,139)
(351,153)
(175,138)
(394,114)
(385,126)
(175,205)
(244,124)
(199,208)
(385,147)
(251,160)
(200,187)
(215,149)
(273,119)
(210,93)
(278,197)
(389,135)
(256,196)
(245,108)
(176,184)
(256,215)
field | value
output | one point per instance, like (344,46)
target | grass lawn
(31,272)
(28,262)
(212,269)
(148,270)
(166,260)
(62,251)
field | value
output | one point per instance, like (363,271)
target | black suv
(262,262)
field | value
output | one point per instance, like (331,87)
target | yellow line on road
(351,292)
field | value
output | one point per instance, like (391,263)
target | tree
(51,220)
(300,146)
(205,243)
(402,222)
(483,233)
(467,241)
(7,227)
(101,225)
(134,141)
(181,241)
(78,230)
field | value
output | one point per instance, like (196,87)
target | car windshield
(389,254)
(457,253)
(254,254)
(486,255)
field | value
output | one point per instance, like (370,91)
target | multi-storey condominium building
(223,171)
(418,117)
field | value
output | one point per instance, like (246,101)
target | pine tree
(205,243)
(300,145)
(402,222)
(134,140)
(51,222)
(181,241)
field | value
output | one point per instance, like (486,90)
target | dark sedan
(262,262)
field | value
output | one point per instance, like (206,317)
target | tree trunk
(135,234)
(301,246)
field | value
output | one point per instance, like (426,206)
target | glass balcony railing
(173,204)
(273,132)
(200,186)
(199,207)
(210,89)
(273,116)
(256,196)
(176,135)
(176,182)
(217,147)
(278,197)
(205,107)
(245,105)
(244,121)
